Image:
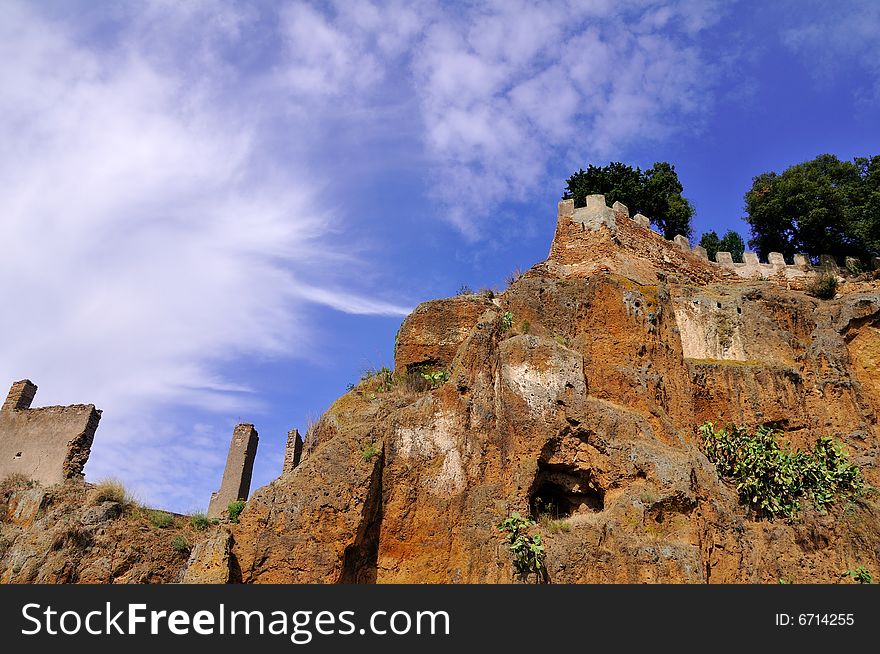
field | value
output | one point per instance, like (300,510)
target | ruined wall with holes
(47,444)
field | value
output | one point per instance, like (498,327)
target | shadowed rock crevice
(360,559)
(563,490)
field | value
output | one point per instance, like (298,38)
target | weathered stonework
(622,343)
(596,214)
(579,231)
(236,484)
(293,452)
(682,242)
(47,444)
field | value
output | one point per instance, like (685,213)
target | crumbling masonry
(47,444)
(236,484)
(293,452)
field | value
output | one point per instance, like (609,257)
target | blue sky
(217,211)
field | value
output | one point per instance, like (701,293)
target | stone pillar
(236,484)
(802,260)
(700,251)
(750,259)
(642,220)
(293,452)
(565,209)
(620,207)
(776,259)
(20,396)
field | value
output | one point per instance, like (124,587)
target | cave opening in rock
(559,492)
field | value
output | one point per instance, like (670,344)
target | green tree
(732,242)
(822,206)
(655,192)
(663,202)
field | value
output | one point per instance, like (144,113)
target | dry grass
(112,490)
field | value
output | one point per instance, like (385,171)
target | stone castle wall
(634,235)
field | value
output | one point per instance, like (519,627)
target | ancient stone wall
(616,219)
(236,484)
(47,444)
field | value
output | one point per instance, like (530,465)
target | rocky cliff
(581,388)
(575,396)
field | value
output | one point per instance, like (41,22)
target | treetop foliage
(655,192)
(732,242)
(822,206)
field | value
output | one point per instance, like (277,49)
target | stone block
(700,251)
(433,332)
(750,259)
(776,259)
(642,220)
(802,260)
(596,214)
(20,396)
(682,242)
(620,207)
(724,258)
(827,261)
(565,208)
(210,561)
(875,261)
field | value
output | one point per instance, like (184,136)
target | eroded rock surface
(621,345)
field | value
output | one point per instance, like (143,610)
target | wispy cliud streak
(837,39)
(350,303)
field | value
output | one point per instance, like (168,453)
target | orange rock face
(432,334)
(620,345)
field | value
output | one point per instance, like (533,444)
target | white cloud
(147,239)
(838,39)
(505,88)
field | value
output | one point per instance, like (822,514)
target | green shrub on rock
(772,479)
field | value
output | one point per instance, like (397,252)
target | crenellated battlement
(615,219)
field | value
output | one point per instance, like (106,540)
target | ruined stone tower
(236,484)
(293,452)
(47,444)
